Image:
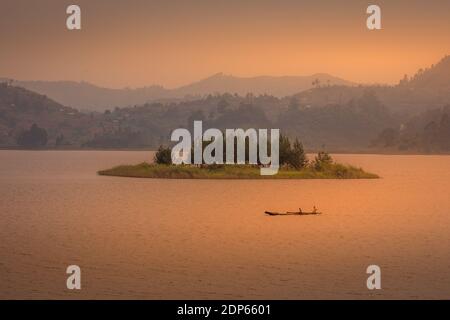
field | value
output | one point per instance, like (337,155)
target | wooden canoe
(270,213)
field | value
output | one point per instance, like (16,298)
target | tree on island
(163,155)
(292,155)
(322,160)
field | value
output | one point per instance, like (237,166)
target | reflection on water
(181,239)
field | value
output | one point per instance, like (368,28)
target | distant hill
(20,109)
(427,89)
(88,97)
(437,77)
(276,86)
(428,132)
(28,119)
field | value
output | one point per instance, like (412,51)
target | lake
(209,239)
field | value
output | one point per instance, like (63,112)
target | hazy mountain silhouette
(437,77)
(346,127)
(21,109)
(86,96)
(427,89)
(339,117)
(276,86)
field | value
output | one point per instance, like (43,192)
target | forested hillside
(410,116)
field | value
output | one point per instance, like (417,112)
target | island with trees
(294,164)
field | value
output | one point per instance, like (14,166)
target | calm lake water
(191,239)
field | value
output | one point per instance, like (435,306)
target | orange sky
(142,42)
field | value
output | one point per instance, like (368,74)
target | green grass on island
(168,171)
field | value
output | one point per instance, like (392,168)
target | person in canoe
(314,209)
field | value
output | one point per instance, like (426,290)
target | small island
(294,164)
(161,171)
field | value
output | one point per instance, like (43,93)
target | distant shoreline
(349,152)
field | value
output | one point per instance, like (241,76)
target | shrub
(163,155)
(322,160)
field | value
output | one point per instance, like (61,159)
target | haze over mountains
(429,88)
(412,116)
(275,86)
(88,97)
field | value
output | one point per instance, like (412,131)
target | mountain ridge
(90,97)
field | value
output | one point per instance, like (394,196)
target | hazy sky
(143,42)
